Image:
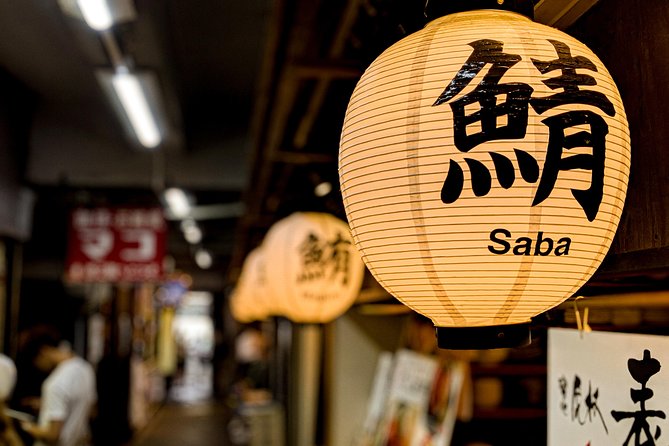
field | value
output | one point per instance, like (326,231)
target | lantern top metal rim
(485,337)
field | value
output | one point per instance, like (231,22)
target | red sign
(116,245)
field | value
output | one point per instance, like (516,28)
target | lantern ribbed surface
(314,271)
(466,147)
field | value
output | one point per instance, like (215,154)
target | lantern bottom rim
(483,338)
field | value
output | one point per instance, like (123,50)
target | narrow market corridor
(196,424)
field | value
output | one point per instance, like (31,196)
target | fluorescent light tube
(96,14)
(133,100)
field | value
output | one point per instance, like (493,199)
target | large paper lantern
(314,271)
(250,300)
(483,164)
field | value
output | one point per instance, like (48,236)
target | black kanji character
(562,382)
(312,258)
(569,81)
(641,370)
(590,403)
(576,401)
(323,258)
(497,120)
(339,257)
(591,198)
(312,252)
(514,108)
(592,406)
(514,111)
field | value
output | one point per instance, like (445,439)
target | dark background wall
(632,39)
(16,109)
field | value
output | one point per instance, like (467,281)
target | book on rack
(414,401)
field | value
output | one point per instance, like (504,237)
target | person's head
(7,377)
(41,348)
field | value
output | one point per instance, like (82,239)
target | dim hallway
(203,423)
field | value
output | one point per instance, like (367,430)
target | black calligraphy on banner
(641,370)
(581,408)
(501,113)
(324,259)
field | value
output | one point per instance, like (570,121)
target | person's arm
(53,412)
(12,438)
(48,434)
(9,434)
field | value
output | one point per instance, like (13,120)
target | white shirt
(68,395)
(7,377)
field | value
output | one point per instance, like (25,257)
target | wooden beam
(643,262)
(266,88)
(326,69)
(645,299)
(561,13)
(383,309)
(303,158)
(346,23)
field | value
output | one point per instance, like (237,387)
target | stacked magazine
(414,401)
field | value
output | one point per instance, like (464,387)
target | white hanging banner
(607,389)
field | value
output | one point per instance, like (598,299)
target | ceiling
(254,93)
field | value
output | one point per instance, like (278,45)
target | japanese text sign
(607,389)
(116,245)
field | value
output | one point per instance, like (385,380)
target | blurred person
(8,435)
(251,356)
(68,393)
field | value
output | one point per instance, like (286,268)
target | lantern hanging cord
(581,325)
(427,2)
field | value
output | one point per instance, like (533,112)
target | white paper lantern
(484,162)
(250,300)
(314,271)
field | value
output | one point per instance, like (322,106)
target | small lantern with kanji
(250,300)
(314,271)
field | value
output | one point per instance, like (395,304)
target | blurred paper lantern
(242,307)
(250,301)
(239,306)
(254,272)
(483,164)
(314,271)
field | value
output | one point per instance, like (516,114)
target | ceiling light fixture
(192,232)
(193,235)
(187,224)
(203,258)
(322,189)
(177,201)
(132,96)
(96,13)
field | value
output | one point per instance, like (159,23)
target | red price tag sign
(116,245)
